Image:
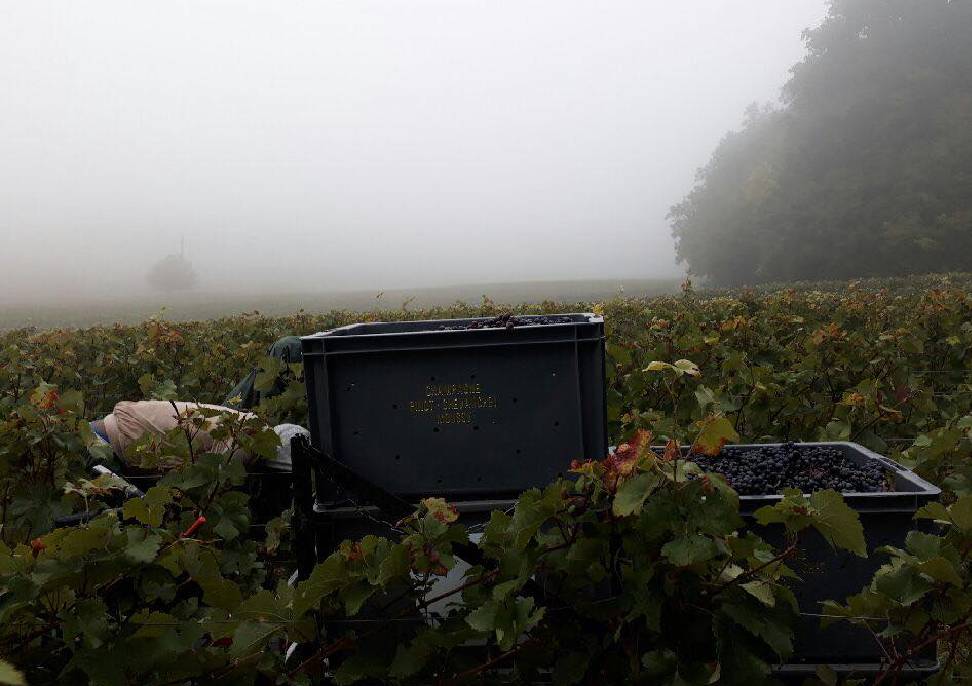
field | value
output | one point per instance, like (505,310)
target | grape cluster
(770,469)
(508,321)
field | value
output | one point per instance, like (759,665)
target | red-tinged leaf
(587,467)
(672,451)
(626,458)
(351,551)
(441,510)
(714,432)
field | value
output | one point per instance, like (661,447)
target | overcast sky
(366,144)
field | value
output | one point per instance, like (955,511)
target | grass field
(75,312)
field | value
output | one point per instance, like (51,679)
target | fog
(366,144)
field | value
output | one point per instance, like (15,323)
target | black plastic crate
(887,517)
(825,574)
(436,408)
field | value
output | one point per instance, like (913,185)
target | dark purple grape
(771,468)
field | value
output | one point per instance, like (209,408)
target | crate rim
(592,318)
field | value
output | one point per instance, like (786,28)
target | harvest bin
(887,517)
(452,408)
(825,574)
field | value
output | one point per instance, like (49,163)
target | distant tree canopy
(172,273)
(865,170)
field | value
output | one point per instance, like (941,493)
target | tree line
(865,169)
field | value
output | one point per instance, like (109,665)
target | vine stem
(326,651)
(894,668)
(749,395)
(479,669)
(745,576)
(488,576)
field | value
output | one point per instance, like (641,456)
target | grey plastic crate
(828,575)
(432,408)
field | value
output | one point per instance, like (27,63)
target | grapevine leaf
(98,670)
(619,354)
(923,546)
(150,508)
(326,578)
(827,675)
(87,623)
(525,617)
(714,432)
(705,397)
(276,530)
(902,583)
(79,542)
(412,657)
(940,569)
(632,493)
(483,618)
(657,366)
(153,624)
(763,624)
(934,510)
(249,637)
(835,430)
(825,511)
(371,660)
(960,513)
(271,369)
(762,591)
(395,565)
(686,367)
(356,596)
(203,566)
(146,382)
(441,510)
(505,588)
(221,593)
(838,522)
(687,550)
(532,510)
(142,546)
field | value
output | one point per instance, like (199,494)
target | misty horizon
(366,146)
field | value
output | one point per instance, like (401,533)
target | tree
(173,273)
(865,170)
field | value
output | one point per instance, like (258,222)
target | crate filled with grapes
(885,495)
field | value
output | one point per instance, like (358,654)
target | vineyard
(649,573)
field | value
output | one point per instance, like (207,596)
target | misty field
(66,310)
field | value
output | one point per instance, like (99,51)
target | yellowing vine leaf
(441,510)
(714,432)
(10,676)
